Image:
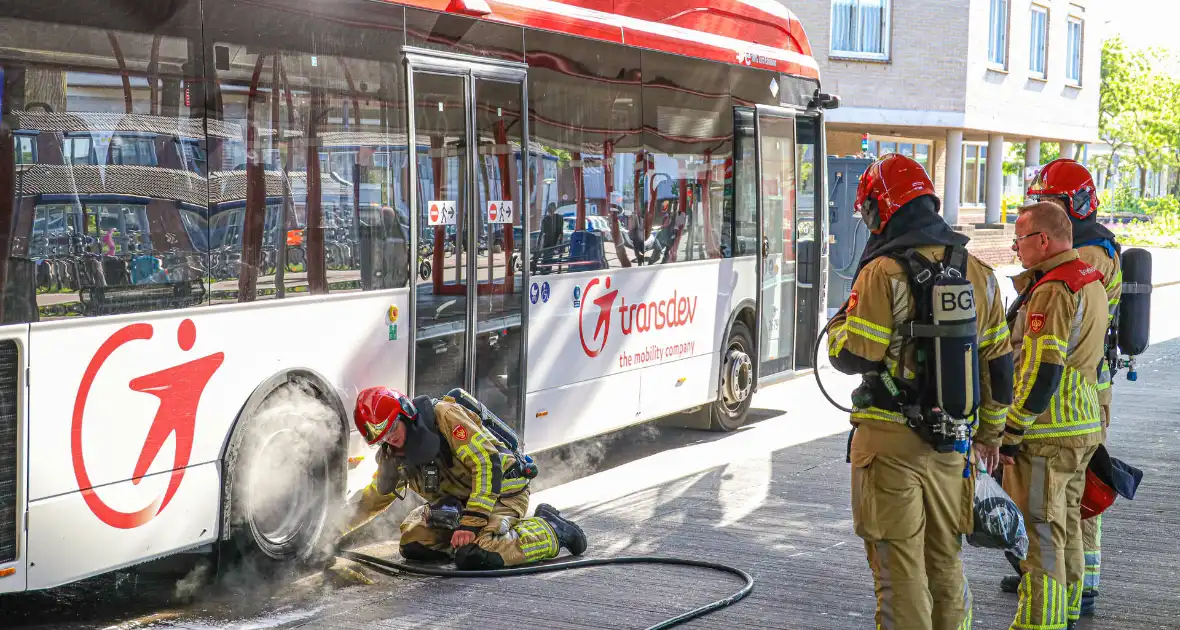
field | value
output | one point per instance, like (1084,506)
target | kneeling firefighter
(476,485)
(1069,185)
(924,325)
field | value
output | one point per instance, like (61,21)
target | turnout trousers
(507,540)
(1092,533)
(910,505)
(1046,483)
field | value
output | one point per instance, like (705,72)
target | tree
(1139,108)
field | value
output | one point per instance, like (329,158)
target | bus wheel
(737,381)
(284,472)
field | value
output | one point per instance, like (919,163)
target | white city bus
(213,236)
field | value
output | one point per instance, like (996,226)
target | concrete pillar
(995,178)
(1032,158)
(1067,150)
(1032,151)
(953,193)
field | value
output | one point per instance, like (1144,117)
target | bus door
(467,120)
(775,157)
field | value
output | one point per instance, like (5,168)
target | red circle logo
(605,303)
(493,214)
(179,389)
(434,213)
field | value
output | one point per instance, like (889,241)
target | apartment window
(997,43)
(1038,41)
(860,29)
(1073,50)
(918,151)
(974,175)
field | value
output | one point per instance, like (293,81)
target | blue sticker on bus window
(545,292)
(534,293)
(577,296)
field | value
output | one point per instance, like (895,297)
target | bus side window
(687,131)
(584,186)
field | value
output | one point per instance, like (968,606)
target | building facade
(949,82)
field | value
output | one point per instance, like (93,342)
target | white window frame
(1006,32)
(886,35)
(1070,20)
(980,175)
(1044,74)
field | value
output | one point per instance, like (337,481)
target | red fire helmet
(890,183)
(1070,182)
(1097,496)
(378,410)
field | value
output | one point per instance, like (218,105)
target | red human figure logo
(179,389)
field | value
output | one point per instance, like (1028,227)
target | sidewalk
(769,501)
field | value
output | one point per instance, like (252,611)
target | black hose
(815,362)
(389,566)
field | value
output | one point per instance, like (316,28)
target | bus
(213,236)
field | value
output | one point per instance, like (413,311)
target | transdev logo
(634,318)
(179,389)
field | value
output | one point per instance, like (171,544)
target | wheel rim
(286,501)
(737,377)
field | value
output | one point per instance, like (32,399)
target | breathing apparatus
(940,402)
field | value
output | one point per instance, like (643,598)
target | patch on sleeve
(1036,321)
(853,298)
(460,432)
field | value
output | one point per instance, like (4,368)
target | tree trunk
(45,88)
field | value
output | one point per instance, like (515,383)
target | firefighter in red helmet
(1068,184)
(911,501)
(441,451)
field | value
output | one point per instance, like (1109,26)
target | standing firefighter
(1069,185)
(924,324)
(477,498)
(1055,422)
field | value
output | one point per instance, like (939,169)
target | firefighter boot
(1089,602)
(568,534)
(1011,583)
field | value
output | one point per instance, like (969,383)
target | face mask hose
(815,360)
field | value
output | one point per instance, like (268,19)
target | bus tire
(284,473)
(728,412)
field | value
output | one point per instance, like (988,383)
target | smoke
(586,457)
(192,585)
(279,467)
(289,443)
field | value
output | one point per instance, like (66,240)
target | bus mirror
(824,101)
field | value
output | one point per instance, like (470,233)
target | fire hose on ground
(390,567)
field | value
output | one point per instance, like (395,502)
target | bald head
(1043,231)
(1051,219)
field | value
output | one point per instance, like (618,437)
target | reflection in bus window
(98,189)
(305,198)
(586,126)
(688,135)
(745,182)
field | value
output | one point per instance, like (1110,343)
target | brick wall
(843,143)
(927,68)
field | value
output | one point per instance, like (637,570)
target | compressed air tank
(1135,304)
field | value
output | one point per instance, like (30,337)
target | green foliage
(1124,200)
(1139,107)
(1015,160)
(1162,230)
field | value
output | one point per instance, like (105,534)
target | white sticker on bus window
(441,212)
(500,212)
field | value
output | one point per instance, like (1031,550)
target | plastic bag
(998,522)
